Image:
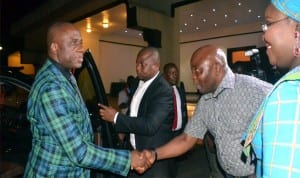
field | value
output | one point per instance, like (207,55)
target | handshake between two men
(142,161)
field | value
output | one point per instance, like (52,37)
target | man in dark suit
(150,113)
(171,74)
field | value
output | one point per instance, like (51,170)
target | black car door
(92,90)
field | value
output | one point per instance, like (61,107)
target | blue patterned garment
(277,140)
(62,144)
(290,8)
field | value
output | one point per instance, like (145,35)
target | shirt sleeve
(195,126)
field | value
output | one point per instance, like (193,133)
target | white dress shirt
(135,102)
(178,108)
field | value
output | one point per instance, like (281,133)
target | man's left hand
(107,113)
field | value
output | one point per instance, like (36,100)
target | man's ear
(53,47)
(220,70)
(156,67)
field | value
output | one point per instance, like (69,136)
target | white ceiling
(201,16)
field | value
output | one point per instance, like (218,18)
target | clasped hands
(142,161)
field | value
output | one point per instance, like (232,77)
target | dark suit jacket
(153,124)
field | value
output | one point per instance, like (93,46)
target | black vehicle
(15,140)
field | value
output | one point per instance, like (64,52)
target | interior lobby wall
(114,56)
(187,49)
(115,61)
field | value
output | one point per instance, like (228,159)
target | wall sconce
(105,24)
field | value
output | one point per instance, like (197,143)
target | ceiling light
(214,10)
(89,30)
(258,16)
(125,31)
(249,10)
(204,20)
(225,15)
(191,15)
(239,4)
(185,24)
(235,21)
(215,25)
(180,31)
(88,25)
(197,28)
(105,24)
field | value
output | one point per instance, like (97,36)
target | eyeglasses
(265,26)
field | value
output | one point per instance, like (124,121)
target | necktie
(174,126)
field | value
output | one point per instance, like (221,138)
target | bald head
(212,53)
(58,29)
(209,66)
(64,43)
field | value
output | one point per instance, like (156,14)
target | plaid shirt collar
(66,72)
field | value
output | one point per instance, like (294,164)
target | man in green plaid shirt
(62,143)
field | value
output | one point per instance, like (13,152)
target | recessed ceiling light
(197,28)
(239,4)
(125,31)
(258,16)
(225,15)
(88,30)
(185,24)
(214,10)
(215,25)
(180,31)
(191,15)
(249,10)
(235,21)
(105,24)
(204,20)
(140,34)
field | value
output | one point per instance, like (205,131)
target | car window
(86,88)
(88,93)
(15,128)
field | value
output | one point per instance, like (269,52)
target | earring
(297,45)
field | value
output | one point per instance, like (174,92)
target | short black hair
(168,66)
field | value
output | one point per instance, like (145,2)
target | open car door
(92,90)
